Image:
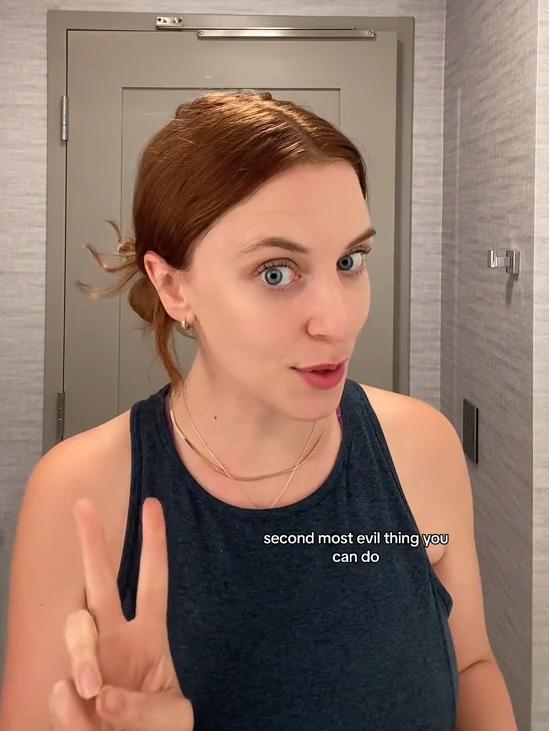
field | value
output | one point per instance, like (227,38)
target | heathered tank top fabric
(281,636)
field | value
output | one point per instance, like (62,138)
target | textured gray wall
(486,341)
(540,622)
(487,319)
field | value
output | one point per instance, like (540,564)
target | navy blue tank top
(287,618)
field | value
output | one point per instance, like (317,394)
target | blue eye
(273,266)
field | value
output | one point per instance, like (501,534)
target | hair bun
(126,246)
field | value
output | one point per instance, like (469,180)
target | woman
(300,595)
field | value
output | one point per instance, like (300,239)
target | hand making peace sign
(133,657)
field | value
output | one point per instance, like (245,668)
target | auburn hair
(217,150)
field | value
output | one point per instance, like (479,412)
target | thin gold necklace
(239,478)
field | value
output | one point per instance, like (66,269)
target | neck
(248,433)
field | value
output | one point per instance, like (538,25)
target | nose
(329,311)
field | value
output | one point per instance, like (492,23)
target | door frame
(60,22)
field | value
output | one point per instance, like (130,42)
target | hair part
(217,150)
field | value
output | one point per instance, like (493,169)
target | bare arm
(46,585)
(484,701)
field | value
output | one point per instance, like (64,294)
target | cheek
(220,306)
(362,304)
(271,338)
(367,303)
(267,339)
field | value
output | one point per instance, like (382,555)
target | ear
(170,284)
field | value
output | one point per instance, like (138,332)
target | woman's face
(252,326)
(302,308)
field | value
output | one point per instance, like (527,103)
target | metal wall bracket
(168,21)
(511,260)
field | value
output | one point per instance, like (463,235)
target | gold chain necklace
(238,478)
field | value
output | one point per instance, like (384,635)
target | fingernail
(110,701)
(88,681)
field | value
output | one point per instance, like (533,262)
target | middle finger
(102,594)
(152,587)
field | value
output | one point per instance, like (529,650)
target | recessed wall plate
(470,430)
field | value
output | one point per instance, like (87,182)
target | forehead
(309,202)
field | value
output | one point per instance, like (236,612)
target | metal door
(122,87)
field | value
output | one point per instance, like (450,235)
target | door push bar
(511,260)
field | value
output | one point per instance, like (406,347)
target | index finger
(152,588)
(102,596)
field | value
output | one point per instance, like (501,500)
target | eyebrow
(283,243)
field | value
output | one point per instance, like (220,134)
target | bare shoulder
(394,402)
(410,427)
(99,462)
(102,452)
(398,411)
(406,422)
(112,434)
(46,576)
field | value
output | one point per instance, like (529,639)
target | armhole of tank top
(440,590)
(128,560)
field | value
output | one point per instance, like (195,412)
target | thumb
(128,710)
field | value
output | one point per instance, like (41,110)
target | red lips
(322,367)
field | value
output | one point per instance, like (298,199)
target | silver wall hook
(511,260)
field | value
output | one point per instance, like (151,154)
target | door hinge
(60,421)
(64,118)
